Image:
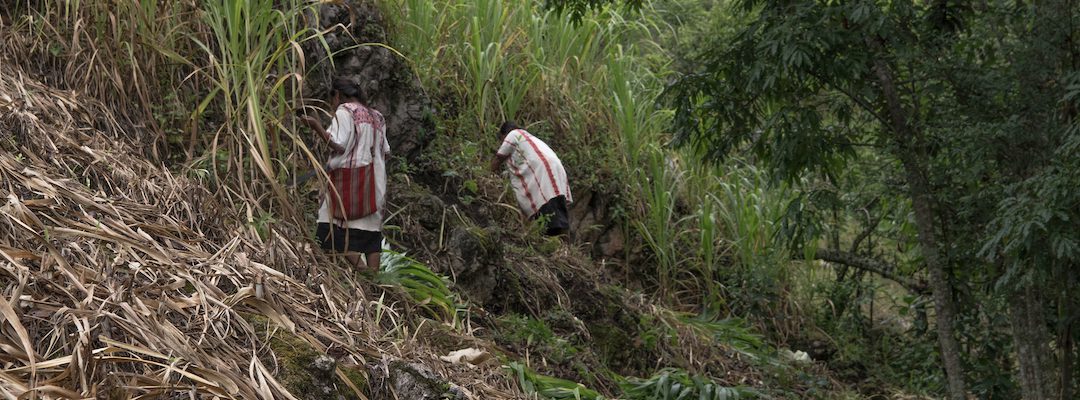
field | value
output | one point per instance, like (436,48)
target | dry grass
(119,277)
(107,49)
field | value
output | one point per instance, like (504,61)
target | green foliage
(484,54)
(739,216)
(766,93)
(535,335)
(972,102)
(517,62)
(549,387)
(427,289)
(750,210)
(732,332)
(263,224)
(578,8)
(695,27)
(675,384)
(1036,221)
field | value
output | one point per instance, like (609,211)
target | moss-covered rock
(621,335)
(303,370)
(474,258)
(404,380)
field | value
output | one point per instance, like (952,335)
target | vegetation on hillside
(887,186)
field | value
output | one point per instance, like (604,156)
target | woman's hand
(311,122)
(317,126)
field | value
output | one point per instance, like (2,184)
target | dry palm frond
(119,277)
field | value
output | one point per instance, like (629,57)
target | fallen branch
(878,267)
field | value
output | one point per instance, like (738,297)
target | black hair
(506,127)
(347,88)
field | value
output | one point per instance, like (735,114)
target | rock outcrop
(356,37)
(404,380)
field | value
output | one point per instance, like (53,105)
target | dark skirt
(558,219)
(336,238)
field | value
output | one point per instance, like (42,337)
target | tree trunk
(912,157)
(939,282)
(1047,48)
(1065,379)
(1066,340)
(1030,335)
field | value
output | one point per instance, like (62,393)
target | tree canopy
(969,108)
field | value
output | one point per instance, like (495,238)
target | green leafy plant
(550,387)
(733,332)
(675,384)
(426,288)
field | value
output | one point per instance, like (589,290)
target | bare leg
(354,260)
(373,260)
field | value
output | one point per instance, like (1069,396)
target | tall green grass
(516,61)
(739,216)
(751,209)
(658,221)
(253,67)
(653,169)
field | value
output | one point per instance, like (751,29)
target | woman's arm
(496,161)
(317,126)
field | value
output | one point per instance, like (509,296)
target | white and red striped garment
(344,131)
(538,175)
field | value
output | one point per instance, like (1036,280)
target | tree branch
(870,227)
(875,266)
(861,102)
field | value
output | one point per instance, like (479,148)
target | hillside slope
(125,278)
(122,279)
